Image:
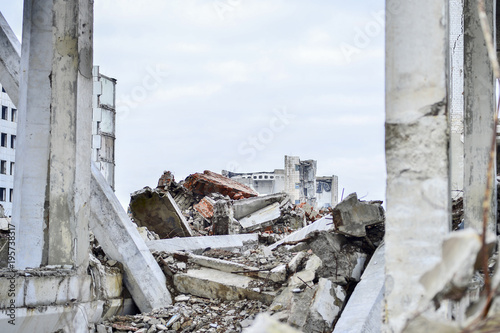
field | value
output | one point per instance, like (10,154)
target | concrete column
(479,96)
(52,179)
(457,97)
(417,142)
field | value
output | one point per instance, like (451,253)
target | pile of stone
(220,283)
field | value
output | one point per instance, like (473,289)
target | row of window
(264,177)
(3,194)
(3,167)
(4,142)
(5,114)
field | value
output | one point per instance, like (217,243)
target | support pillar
(479,96)
(417,151)
(52,179)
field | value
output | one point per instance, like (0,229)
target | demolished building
(420,270)
(298,179)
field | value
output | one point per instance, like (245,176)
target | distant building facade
(103,136)
(298,179)
(103,125)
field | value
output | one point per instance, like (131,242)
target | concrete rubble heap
(218,287)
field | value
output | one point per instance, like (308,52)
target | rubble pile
(300,279)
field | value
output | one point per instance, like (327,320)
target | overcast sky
(238,84)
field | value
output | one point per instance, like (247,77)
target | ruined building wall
(103,125)
(292,178)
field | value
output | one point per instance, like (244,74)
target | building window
(297,202)
(3,140)
(5,112)
(260,177)
(11,195)
(13,141)
(3,167)
(13,115)
(12,168)
(254,177)
(2,193)
(297,167)
(272,177)
(3,90)
(265,177)
(297,185)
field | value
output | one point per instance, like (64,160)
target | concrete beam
(417,141)
(10,57)
(199,244)
(122,242)
(479,96)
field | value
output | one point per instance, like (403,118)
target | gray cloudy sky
(237,84)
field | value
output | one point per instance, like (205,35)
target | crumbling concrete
(261,218)
(223,222)
(245,207)
(159,213)
(121,241)
(264,323)
(211,182)
(352,216)
(342,260)
(324,223)
(199,244)
(211,283)
(363,310)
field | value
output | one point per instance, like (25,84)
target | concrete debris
(245,207)
(159,213)
(262,218)
(223,222)
(198,245)
(211,182)
(352,216)
(363,310)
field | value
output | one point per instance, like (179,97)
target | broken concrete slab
(197,245)
(352,216)
(276,274)
(326,306)
(211,182)
(121,241)
(362,312)
(342,260)
(245,207)
(325,223)
(308,274)
(158,212)
(261,218)
(211,283)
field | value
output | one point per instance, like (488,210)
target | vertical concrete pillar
(479,97)
(52,179)
(417,143)
(457,97)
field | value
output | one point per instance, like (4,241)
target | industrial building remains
(208,253)
(298,179)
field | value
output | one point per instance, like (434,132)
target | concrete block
(363,312)
(223,222)
(211,182)
(199,244)
(351,216)
(261,218)
(211,283)
(121,241)
(325,223)
(308,274)
(158,211)
(244,207)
